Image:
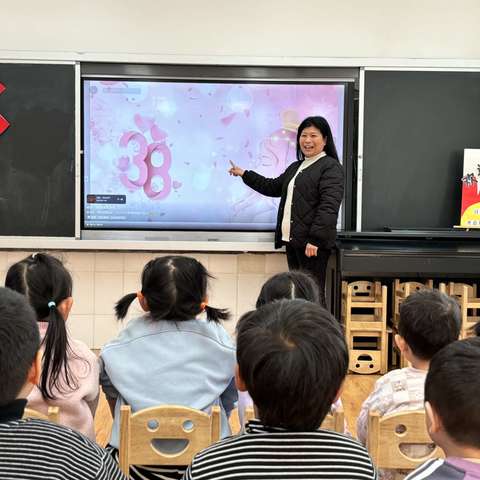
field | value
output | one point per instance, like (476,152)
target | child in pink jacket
(70,373)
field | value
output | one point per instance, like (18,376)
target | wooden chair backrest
(52,415)
(466,296)
(408,288)
(363,289)
(335,421)
(138,432)
(249,414)
(402,290)
(461,290)
(386,435)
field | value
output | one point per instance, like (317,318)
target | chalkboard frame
(38,181)
(367,175)
(123,71)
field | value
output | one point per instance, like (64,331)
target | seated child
(452,390)
(289,285)
(292,359)
(285,285)
(29,448)
(69,378)
(429,320)
(168,356)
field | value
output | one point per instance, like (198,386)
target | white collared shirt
(287,212)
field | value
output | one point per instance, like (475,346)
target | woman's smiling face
(312,142)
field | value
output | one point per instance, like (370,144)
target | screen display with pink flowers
(156,154)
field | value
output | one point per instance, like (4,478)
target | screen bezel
(223,74)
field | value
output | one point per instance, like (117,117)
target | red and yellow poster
(470,216)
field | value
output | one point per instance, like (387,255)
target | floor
(356,389)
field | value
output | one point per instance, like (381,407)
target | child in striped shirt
(452,390)
(30,448)
(292,359)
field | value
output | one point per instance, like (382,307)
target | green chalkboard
(37,150)
(416,126)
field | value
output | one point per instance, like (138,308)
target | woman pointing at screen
(310,191)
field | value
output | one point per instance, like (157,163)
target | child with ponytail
(69,378)
(168,355)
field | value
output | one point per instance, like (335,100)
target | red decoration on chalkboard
(4,124)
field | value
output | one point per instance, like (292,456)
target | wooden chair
(387,434)
(368,297)
(138,432)
(53,414)
(466,296)
(249,414)
(335,421)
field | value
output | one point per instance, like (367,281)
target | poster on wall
(470,214)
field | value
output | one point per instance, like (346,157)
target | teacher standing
(310,191)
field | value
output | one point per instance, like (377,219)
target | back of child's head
(19,343)
(293,358)
(289,285)
(174,288)
(452,388)
(429,320)
(46,283)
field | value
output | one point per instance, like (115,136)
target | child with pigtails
(169,355)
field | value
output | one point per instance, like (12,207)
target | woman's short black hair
(289,285)
(452,387)
(320,123)
(19,343)
(429,320)
(293,359)
(174,288)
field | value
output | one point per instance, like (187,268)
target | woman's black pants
(316,266)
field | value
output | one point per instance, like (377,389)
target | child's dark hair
(289,285)
(429,320)
(452,387)
(46,282)
(293,359)
(174,288)
(19,343)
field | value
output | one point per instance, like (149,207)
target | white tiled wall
(101,278)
